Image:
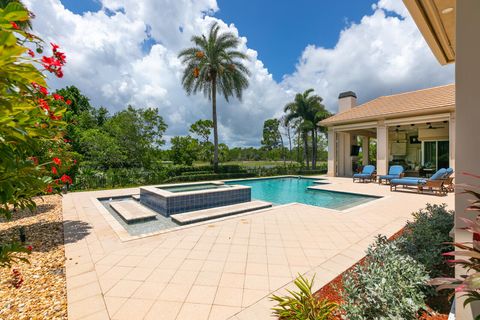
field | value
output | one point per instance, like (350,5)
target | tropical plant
(302,304)
(31,126)
(30,118)
(308,110)
(215,64)
(13,252)
(468,283)
(388,284)
(425,235)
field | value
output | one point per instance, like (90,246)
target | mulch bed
(331,291)
(42,294)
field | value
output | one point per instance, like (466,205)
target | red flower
(14,25)
(31,53)
(57,96)
(54,117)
(30,248)
(49,189)
(59,73)
(35,160)
(69,102)
(66,179)
(54,170)
(43,90)
(74,161)
(54,46)
(57,161)
(44,104)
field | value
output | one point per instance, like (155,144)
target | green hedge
(210,176)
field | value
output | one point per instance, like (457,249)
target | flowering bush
(31,126)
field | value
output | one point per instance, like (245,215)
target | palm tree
(309,110)
(214,64)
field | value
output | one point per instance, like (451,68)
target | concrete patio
(221,269)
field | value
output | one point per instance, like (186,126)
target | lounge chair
(368,173)
(436,183)
(395,172)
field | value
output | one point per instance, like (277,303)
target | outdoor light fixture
(447,10)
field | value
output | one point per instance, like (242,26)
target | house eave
(397,115)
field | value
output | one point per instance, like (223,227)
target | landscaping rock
(43,294)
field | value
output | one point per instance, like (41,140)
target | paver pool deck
(225,268)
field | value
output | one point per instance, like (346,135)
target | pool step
(321,182)
(219,212)
(132,211)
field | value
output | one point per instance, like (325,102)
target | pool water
(288,190)
(194,187)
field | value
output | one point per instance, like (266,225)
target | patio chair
(395,172)
(436,183)
(368,173)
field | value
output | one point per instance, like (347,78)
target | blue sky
(278,30)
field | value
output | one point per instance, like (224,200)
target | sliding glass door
(436,154)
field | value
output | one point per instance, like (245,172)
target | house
(414,129)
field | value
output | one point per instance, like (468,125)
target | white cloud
(383,53)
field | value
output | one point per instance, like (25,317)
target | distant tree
(101,150)
(308,110)
(184,150)
(139,132)
(203,129)
(271,134)
(215,64)
(223,152)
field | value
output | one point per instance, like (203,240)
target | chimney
(346,101)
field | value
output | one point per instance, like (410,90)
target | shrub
(209,176)
(303,304)
(424,237)
(387,285)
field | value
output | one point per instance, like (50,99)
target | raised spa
(178,198)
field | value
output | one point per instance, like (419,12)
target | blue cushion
(395,170)
(408,182)
(448,173)
(439,174)
(362,175)
(368,169)
(389,176)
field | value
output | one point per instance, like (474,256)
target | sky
(123,52)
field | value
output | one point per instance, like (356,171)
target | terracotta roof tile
(397,104)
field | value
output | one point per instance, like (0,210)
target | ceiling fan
(429,124)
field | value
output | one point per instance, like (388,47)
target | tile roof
(397,105)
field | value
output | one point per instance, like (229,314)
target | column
(332,157)
(451,139)
(382,148)
(365,149)
(467,115)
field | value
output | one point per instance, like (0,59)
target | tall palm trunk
(214,120)
(305,148)
(298,145)
(314,149)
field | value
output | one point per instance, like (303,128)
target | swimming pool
(292,189)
